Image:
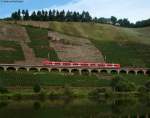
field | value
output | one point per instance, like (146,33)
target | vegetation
(3,90)
(129,47)
(145,88)
(58,79)
(40,43)
(55,15)
(49,79)
(37,88)
(122,85)
(52,15)
(13,54)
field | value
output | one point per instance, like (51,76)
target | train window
(66,63)
(84,64)
(75,64)
(101,64)
(57,63)
(92,64)
(109,65)
(117,65)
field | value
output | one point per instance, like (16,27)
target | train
(80,64)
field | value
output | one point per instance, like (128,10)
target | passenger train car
(80,64)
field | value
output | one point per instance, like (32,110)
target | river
(76,108)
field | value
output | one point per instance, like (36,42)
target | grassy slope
(129,47)
(9,79)
(49,79)
(40,43)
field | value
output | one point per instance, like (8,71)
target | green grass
(9,56)
(57,79)
(127,46)
(127,54)
(49,79)
(40,43)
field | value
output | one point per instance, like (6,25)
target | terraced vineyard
(10,51)
(40,43)
(128,46)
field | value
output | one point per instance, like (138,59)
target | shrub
(115,81)
(53,95)
(147,85)
(3,90)
(142,89)
(36,88)
(67,91)
(122,85)
(17,96)
(37,105)
(96,93)
(108,93)
(42,95)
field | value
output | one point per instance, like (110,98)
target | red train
(80,64)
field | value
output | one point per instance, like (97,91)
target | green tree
(113,20)
(3,90)
(69,16)
(33,16)
(37,88)
(26,16)
(19,15)
(122,85)
(23,13)
(39,16)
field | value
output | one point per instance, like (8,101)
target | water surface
(76,108)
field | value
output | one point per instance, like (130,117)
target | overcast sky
(134,10)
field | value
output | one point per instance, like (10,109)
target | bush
(147,85)
(3,90)
(108,93)
(122,85)
(36,88)
(142,89)
(37,105)
(67,91)
(114,82)
(96,93)
(42,95)
(54,95)
(17,96)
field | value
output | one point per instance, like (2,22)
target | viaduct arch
(85,71)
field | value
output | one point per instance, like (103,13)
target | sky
(134,10)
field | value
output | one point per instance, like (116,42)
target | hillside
(129,47)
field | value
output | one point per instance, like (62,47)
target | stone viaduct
(90,71)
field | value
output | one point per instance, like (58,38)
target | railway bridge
(65,69)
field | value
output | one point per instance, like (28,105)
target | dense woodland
(69,16)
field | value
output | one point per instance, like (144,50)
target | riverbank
(68,93)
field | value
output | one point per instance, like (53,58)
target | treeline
(69,16)
(52,15)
